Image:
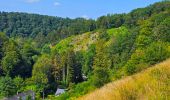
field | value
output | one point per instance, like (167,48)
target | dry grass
(151,84)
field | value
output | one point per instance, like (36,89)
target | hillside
(43,53)
(29,25)
(82,42)
(152,83)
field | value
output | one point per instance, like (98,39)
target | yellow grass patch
(151,84)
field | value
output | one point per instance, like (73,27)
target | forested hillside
(53,29)
(43,53)
(23,24)
(49,29)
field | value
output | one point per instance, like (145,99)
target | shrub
(101,77)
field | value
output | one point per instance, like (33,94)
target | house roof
(59,91)
(23,94)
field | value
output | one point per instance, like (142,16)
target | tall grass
(151,84)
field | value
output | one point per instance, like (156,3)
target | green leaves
(41,72)
(64,45)
(142,58)
(101,66)
(7,87)
(157,52)
(162,31)
(101,77)
(19,83)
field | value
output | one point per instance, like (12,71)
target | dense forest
(43,53)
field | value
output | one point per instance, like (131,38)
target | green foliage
(3,39)
(64,96)
(101,77)
(10,62)
(157,52)
(121,41)
(17,58)
(143,40)
(136,63)
(122,44)
(64,45)
(162,32)
(7,86)
(81,89)
(46,49)
(88,63)
(154,53)
(101,66)
(124,50)
(28,97)
(28,53)
(103,35)
(41,73)
(19,83)
(29,25)
(77,90)
(73,68)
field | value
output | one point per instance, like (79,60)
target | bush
(7,86)
(142,58)
(101,77)
(157,52)
(135,62)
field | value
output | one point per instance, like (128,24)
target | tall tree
(101,66)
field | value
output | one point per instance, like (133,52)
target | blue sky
(73,8)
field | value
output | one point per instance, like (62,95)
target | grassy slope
(78,42)
(152,84)
(83,41)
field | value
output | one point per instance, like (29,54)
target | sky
(73,8)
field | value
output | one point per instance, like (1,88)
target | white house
(59,91)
